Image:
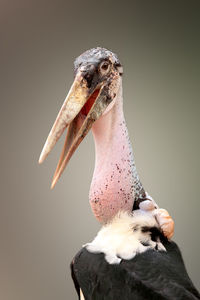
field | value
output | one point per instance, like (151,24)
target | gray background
(158,44)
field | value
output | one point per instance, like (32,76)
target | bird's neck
(115,182)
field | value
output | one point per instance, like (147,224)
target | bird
(133,255)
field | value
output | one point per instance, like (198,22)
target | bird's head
(97,80)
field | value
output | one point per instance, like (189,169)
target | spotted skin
(116,185)
(115,182)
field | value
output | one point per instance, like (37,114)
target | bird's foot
(165,221)
(162,216)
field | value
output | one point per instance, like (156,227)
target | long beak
(81,108)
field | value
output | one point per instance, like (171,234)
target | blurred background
(158,43)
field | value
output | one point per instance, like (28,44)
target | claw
(147,205)
(162,216)
(165,221)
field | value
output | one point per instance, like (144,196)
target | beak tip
(55,179)
(41,158)
(40,161)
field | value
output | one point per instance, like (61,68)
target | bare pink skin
(113,181)
(115,177)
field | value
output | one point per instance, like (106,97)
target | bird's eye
(104,67)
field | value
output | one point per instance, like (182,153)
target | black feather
(151,275)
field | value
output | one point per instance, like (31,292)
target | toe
(166,222)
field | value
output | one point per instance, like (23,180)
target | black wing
(151,275)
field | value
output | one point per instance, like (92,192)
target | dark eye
(104,67)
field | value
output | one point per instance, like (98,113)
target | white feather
(123,237)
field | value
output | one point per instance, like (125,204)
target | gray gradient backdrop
(158,44)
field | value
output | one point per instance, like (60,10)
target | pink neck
(115,179)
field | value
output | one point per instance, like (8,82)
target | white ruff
(123,237)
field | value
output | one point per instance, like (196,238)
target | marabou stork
(132,256)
